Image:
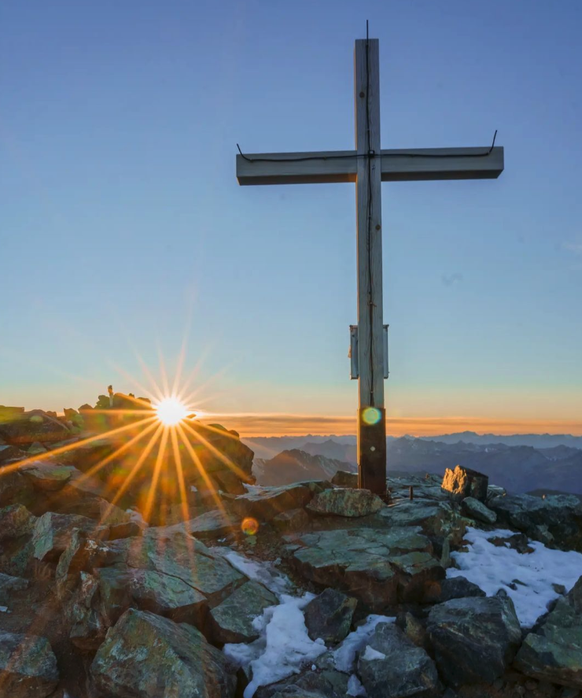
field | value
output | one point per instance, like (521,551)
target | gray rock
(464,482)
(455,588)
(391,666)
(437,519)
(344,478)
(345,502)
(210,525)
(10,584)
(292,520)
(47,476)
(329,616)
(327,683)
(86,624)
(28,667)
(376,566)
(146,656)
(10,454)
(232,620)
(15,521)
(268,502)
(553,652)
(413,628)
(52,533)
(475,509)
(474,638)
(557,515)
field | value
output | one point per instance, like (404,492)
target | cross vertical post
(371,411)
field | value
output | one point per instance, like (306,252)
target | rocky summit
(120,580)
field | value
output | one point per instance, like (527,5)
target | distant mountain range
(517,466)
(295,465)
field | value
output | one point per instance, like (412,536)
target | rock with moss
(391,666)
(474,639)
(553,650)
(232,620)
(329,616)
(47,476)
(146,656)
(52,534)
(378,567)
(28,666)
(345,502)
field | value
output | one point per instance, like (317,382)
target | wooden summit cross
(368,166)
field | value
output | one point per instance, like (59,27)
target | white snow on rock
(371,653)
(532,575)
(345,655)
(262,572)
(284,647)
(355,687)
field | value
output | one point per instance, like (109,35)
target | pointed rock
(329,616)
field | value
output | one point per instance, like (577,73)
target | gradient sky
(121,221)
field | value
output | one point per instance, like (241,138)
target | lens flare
(250,526)
(171,411)
(371,415)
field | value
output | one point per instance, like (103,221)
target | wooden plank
(371,433)
(398,165)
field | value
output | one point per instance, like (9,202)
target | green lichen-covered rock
(52,533)
(232,620)
(266,503)
(391,666)
(329,616)
(370,564)
(474,638)
(28,667)
(46,476)
(437,519)
(146,656)
(345,502)
(87,626)
(554,651)
(475,509)
(15,521)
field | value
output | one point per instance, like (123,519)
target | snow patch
(259,571)
(371,653)
(532,575)
(355,687)
(345,655)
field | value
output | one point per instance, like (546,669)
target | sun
(170,411)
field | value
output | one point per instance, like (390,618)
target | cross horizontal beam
(406,165)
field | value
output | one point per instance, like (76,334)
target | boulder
(474,638)
(232,620)
(475,509)
(454,588)
(146,656)
(47,476)
(292,520)
(34,426)
(210,525)
(378,567)
(438,520)
(345,502)
(344,478)
(86,624)
(329,616)
(553,650)
(464,482)
(391,666)
(413,628)
(15,489)
(15,521)
(266,503)
(28,667)
(52,534)
(560,516)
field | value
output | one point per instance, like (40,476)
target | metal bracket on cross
(353,353)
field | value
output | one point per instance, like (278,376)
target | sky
(123,229)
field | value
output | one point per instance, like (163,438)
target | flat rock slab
(232,620)
(554,651)
(376,566)
(437,519)
(345,502)
(146,656)
(476,510)
(266,503)
(474,639)
(47,476)
(210,525)
(391,666)
(28,666)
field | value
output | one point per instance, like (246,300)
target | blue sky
(121,218)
